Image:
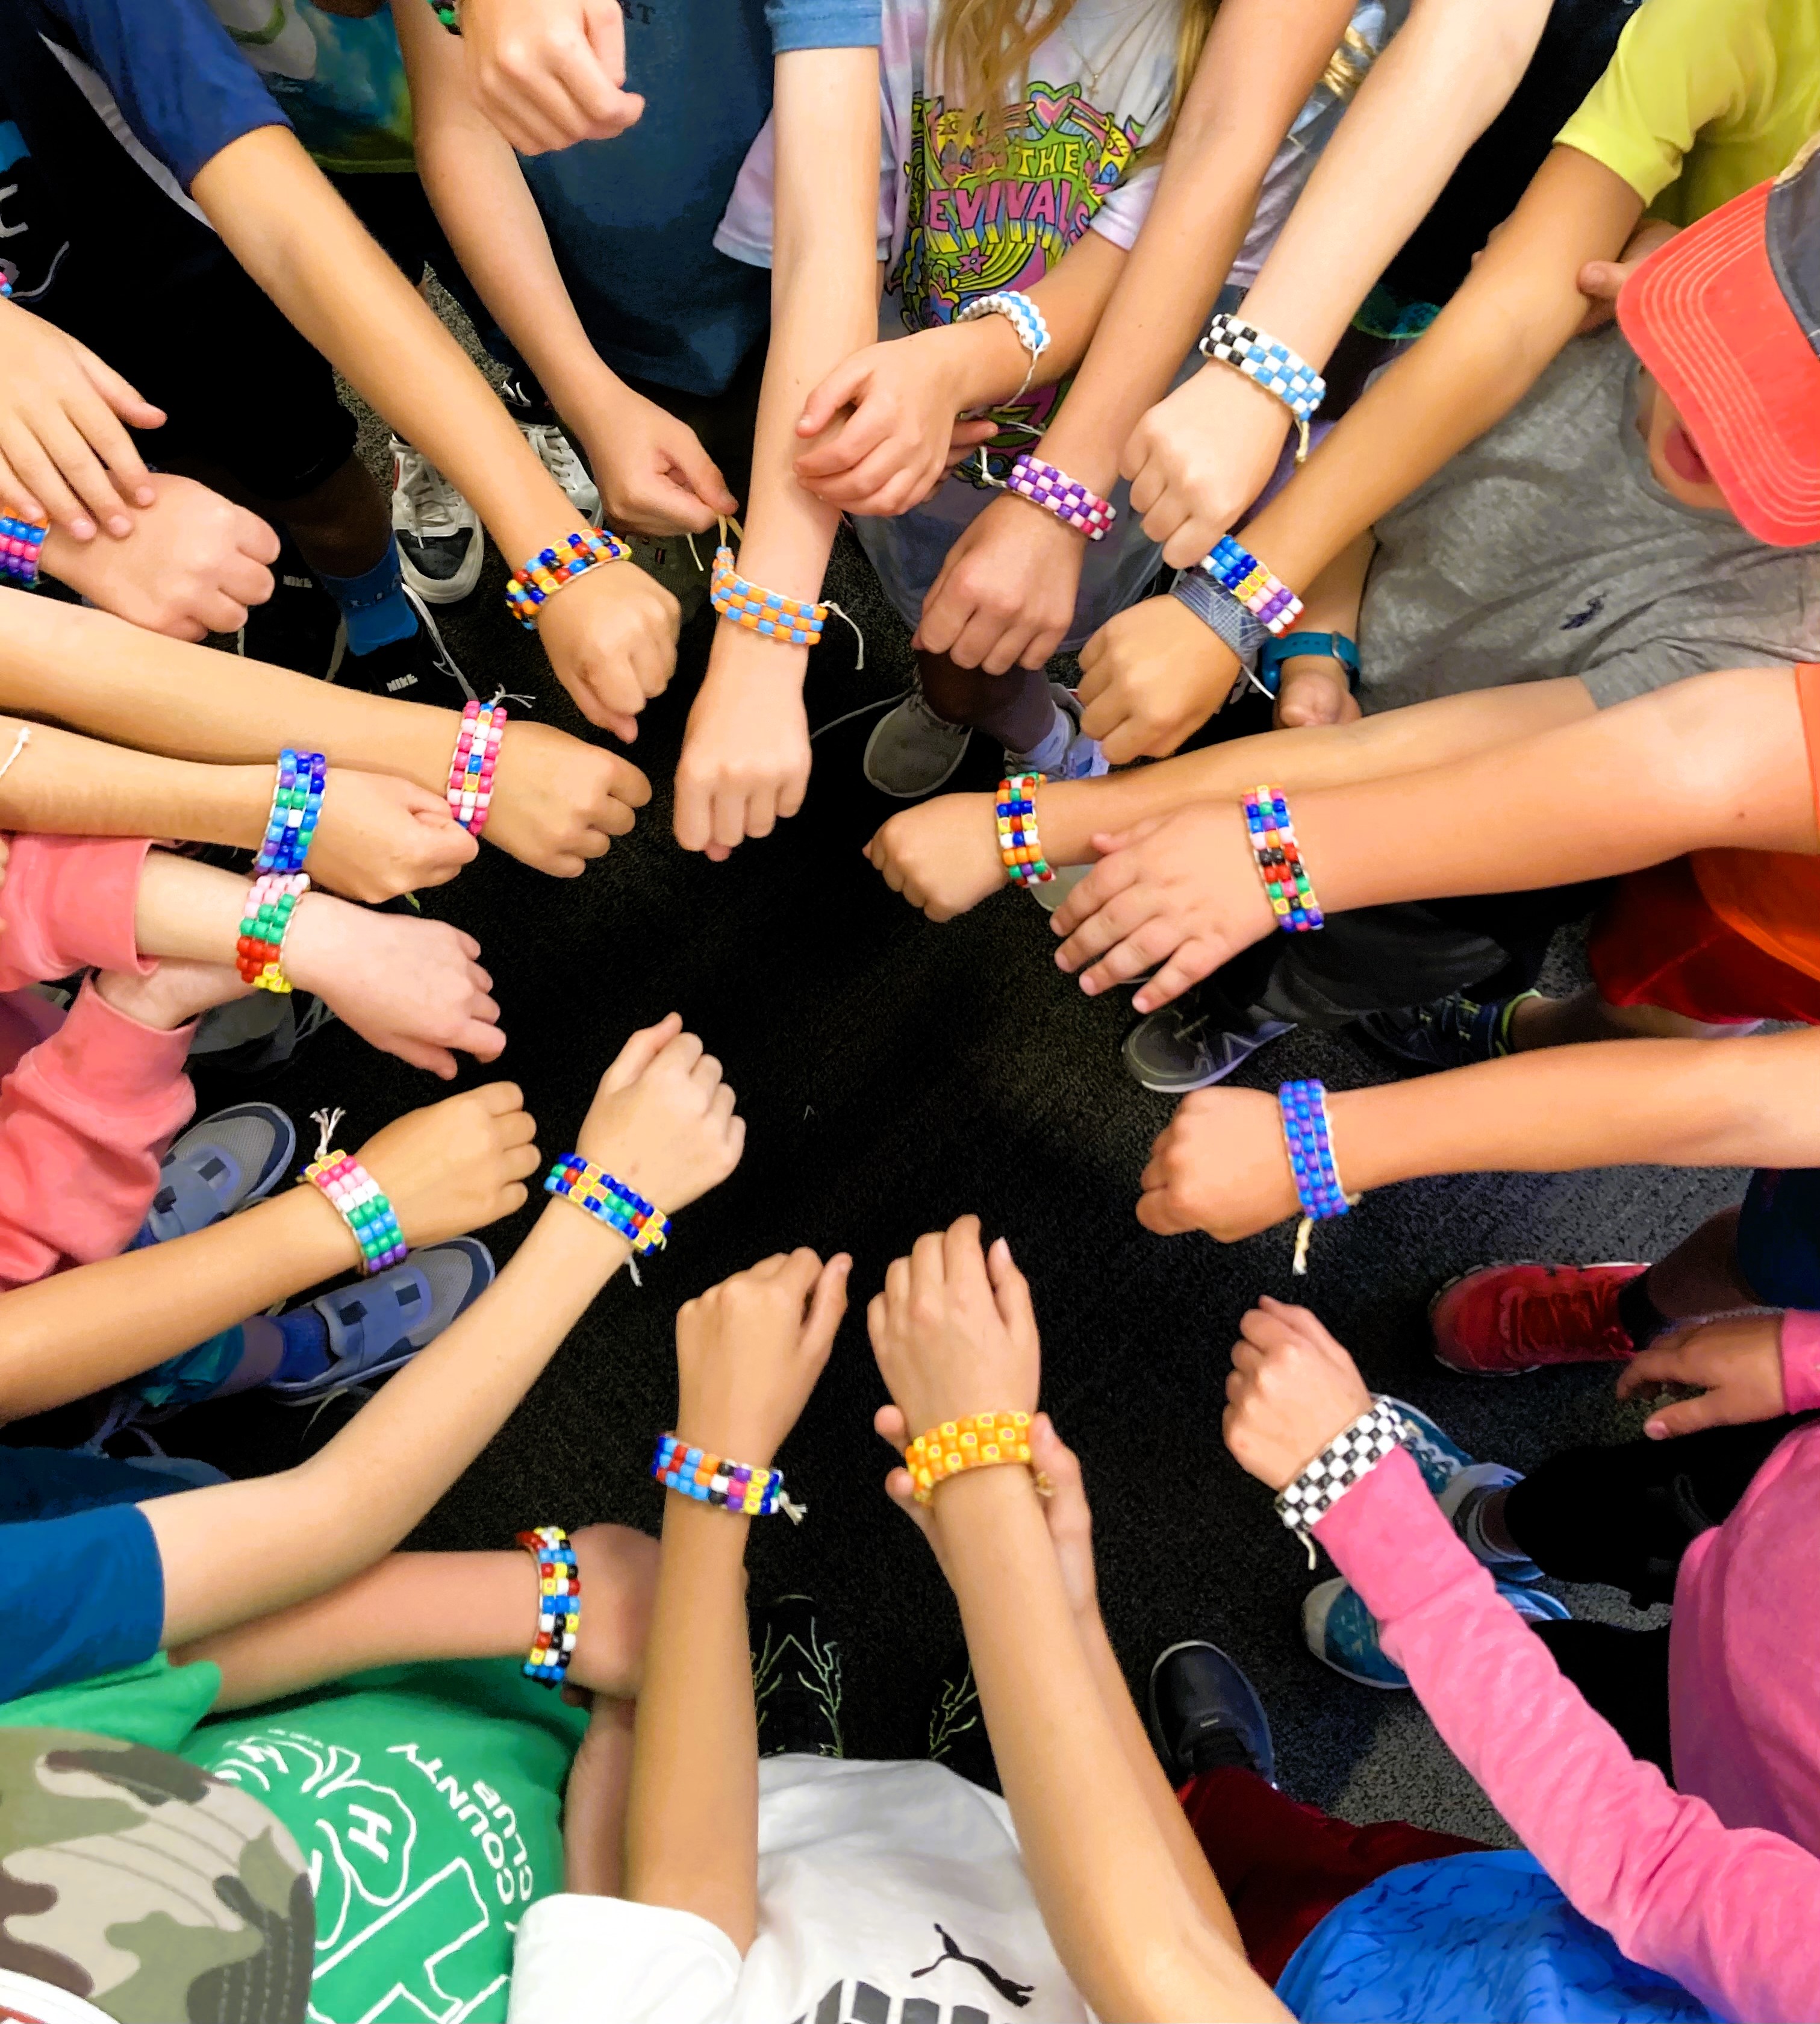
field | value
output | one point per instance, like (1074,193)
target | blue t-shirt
(1470,1937)
(78,1595)
(632,220)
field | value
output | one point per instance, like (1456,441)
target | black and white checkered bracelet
(1353,1452)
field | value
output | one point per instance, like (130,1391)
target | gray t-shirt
(1547,548)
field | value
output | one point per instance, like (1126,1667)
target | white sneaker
(557,455)
(440,542)
(912,751)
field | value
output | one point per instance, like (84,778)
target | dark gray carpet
(896,1074)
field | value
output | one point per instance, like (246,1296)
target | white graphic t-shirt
(889,1894)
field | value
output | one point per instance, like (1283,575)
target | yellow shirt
(1703,99)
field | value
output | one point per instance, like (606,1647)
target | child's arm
(745,754)
(664,1123)
(954,1336)
(1317,688)
(1012,576)
(1199,458)
(747,1354)
(1220,1165)
(654,476)
(1718,761)
(557,802)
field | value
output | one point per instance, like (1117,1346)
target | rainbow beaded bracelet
(1071,502)
(259,953)
(792,620)
(978,1440)
(296,806)
(559,1603)
(1015,812)
(728,1486)
(548,571)
(607,1200)
(21,543)
(470,771)
(1239,574)
(356,1199)
(1267,363)
(1286,881)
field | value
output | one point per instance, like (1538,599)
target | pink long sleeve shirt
(90,1102)
(1705,1884)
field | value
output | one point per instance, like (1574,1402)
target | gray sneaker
(1172,1051)
(912,752)
(557,455)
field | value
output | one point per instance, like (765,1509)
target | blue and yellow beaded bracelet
(645,1227)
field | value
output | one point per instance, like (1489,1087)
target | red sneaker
(1503,1320)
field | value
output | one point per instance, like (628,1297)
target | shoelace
(556,452)
(433,501)
(445,661)
(1573,1318)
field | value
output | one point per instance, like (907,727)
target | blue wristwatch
(1328,646)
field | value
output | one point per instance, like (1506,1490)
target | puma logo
(1575,620)
(1018,1993)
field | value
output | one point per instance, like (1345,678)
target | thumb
(840,390)
(701,474)
(640,1051)
(827,1305)
(888,1423)
(1687,1416)
(1601,280)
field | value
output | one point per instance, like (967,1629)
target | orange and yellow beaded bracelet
(978,1440)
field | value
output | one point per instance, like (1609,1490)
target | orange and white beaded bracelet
(978,1440)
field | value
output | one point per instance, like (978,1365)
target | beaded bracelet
(1280,865)
(449,13)
(1314,646)
(20,542)
(1015,811)
(1270,364)
(608,1201)
(728,1486)
(559,1603)
(296,804)
(1309,1139)
(5,287)
(980,1440)
(259,953)
(1024,317)
(1239,574)
(546,573)
(1070,500)
(1352,1454)
(356,1199)
(793,621)
(470,771)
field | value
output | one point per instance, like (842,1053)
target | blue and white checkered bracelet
(1309,1139)
(1024,317)
(1269,364)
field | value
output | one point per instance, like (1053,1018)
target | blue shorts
(1778,1237)
(78,1595)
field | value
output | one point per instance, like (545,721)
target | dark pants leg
(1623,1674)
(723,422)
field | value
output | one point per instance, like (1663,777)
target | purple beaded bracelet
(1066,497)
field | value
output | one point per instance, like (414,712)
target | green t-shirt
(426,1800)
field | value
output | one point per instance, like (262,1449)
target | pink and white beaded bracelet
(470,771)
(1070,500)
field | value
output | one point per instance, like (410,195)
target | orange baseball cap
(1726,318)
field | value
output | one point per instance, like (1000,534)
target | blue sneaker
(1343,1633)
(218,1166)
(1454,1479)
(376,1326)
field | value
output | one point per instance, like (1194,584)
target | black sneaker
(299,626)
(958,1736)
(417,669)
(795,1680)
(1450,1033)
(1205,1715)
(1175,1051)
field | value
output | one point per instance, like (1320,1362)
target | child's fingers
(125,399)
(17,498)
(42,479)
(840,390)
(640,1051)
(1687,1416)
(1011,1291)
(827,1305)
(888,1423)
(1190,962)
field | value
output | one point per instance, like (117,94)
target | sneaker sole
(1152,1080)
(1505,1265)
(912,793)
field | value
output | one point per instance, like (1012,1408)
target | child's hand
(1602,281)
(746,758)
(618,1568)
(413,989)
(191,563)
(63,455)
(1737,1362)
(549,74)
(943,855)
(558,803)
(663,1120)
(1181,890)
(1219,1165)
(1005,595)
(1065,1510)
(891,452)
(749,1352)
(1150,676)
(456,1165)
(1291,1390)
(177,991)
(1314,689)
(611,637)
(378,837)
(1198,459)
(954,1332)
(653,474)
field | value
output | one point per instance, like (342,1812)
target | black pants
(1624,1516)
